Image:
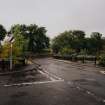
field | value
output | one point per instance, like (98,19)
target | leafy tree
(2,33)
(37,38)
(79,40)
(69,39)
(88,45)
(65,39)
(79,34)
(31,37)
(96,42)
(21,42)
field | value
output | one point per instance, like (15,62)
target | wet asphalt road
(82,84)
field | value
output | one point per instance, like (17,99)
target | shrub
(66,51)
(102,60)
(5,51)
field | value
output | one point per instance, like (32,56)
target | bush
(67,51)
(5,51)
(102,60)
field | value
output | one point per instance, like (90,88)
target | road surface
(69,83)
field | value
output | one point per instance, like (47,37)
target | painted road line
(70,62)
(87,92)
(50,75)
(33,83)
(47,75)
(102,72)
(63,61)
(44,72)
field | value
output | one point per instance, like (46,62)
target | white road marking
(50,75)
(47,75)
(62,61)
(91,93)
(33,83)
(104,100)
(102,72)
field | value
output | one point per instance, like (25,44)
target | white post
(11,58)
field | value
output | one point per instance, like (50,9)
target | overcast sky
(56,15)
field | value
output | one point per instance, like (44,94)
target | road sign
(11,40)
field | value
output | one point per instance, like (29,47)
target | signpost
(11,40)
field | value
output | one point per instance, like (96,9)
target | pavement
(61,83)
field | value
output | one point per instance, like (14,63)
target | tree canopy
(77,41)
(2,33)
(32,36)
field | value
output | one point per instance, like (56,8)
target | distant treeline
(32,38)
(76,42)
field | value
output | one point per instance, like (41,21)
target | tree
(2,33)
(63,40)
(96,41)
(31,37)
(70,40)
(37,38)
(79,40)
(21,42)
(79,34)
